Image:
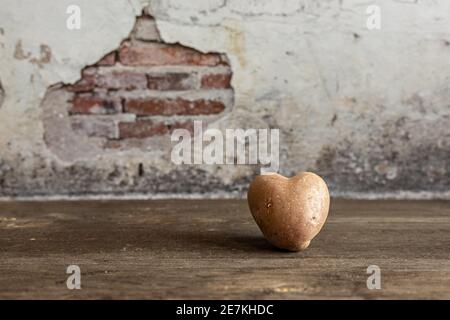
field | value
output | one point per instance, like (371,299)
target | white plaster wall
(369,109)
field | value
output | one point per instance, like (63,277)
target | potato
(289,211)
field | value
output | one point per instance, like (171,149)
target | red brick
(170,81)
(94,105)
(170,107)
(148,128)
(86,83)
(108,60)
(114,80)
(124,80)
(158,54)
(216,81)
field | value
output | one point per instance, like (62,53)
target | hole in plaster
(2,94)
(141,169)
(136,95)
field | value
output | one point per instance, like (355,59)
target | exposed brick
(148,128)
(170,81)
(158,54)
(95,105)
(216,81)
(146,30)
(124,121)
(170,107)
(86,83)
(108,60)
(125,80)
(112,80)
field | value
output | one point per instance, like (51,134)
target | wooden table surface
(212,249)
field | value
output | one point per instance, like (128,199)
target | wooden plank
(213,249)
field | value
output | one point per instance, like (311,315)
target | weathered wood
(213,249)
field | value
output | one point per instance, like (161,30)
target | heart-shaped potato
(289,211)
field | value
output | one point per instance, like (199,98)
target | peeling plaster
(367,110)
(71,145)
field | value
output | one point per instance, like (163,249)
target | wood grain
(212,249)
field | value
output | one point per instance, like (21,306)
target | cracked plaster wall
(368,110)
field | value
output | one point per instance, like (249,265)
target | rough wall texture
(2,94)
(89,112)
(144,89)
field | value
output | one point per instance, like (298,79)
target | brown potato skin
(289,211)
